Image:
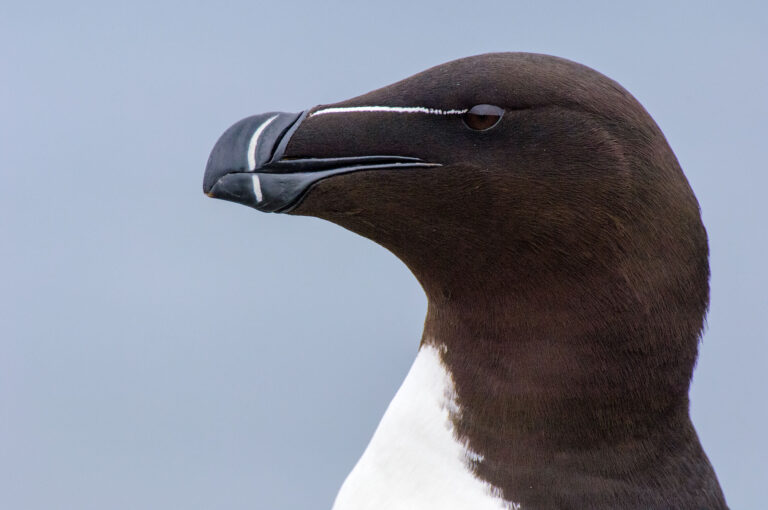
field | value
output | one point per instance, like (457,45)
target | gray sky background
(160,350)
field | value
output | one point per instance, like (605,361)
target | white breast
(413,461)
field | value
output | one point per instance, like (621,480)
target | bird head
(497,172)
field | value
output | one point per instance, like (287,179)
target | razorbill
(566,268)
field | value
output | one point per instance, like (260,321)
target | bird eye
(483,116)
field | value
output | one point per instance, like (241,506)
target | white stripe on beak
(257,187)
(253,144)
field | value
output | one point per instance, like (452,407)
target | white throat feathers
(414,460)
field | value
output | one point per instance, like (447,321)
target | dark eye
(483,116)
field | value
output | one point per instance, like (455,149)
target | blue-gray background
(160,350)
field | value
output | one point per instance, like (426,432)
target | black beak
(247,164)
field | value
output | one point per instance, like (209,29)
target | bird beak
(248,164)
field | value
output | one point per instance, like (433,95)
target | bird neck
(558,401)
(414,460)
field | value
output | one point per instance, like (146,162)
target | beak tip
(247,144)
(237,187)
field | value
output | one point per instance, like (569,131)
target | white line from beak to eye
(257,188)
(393,109)
(254,142)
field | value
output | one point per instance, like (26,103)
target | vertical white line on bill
(252,145)
(257,188)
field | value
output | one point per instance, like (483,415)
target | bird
(565,264)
